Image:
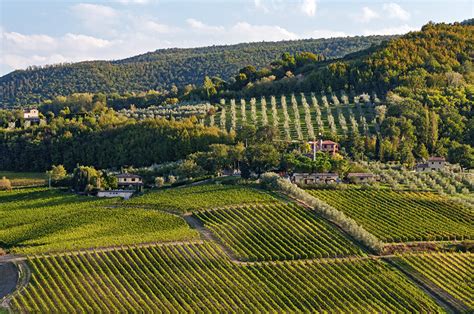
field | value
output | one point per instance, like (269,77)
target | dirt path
(207,234)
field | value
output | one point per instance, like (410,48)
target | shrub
(159,182)
(5,184)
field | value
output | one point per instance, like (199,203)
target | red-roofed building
(326,146)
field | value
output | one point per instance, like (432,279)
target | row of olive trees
(297,120)
(286,116)
(307,117)
(349,225)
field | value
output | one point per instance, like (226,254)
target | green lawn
(201,197)
(40,220)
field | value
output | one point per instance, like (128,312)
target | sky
(37,32)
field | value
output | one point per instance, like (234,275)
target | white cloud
(133,1)
(326,33)
(396,11)
(155,27)
(96,17)
(367,15)
(309,7)
(28,42)
(403,29)
(84,42)
(245,32)
(201,27)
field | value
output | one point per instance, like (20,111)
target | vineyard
(199,197)
(41,220)
(452,272)
(200,278)
(276,232)
(299,117)
(403,216)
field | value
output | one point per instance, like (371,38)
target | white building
(128,180)
(314,178)
(31,114)
(433,163)
(125,194)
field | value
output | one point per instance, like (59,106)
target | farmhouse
(314,178)
(433,163)
(125,194)
(31,114)
(130,181)
(326,146)
(357,177)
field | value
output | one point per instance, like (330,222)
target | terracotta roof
(359,174)
(327,142)
(436,158)
(317,174)
(127,175)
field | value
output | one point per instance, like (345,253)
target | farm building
(361,177)
(314,178)
(31,114)
(130,181)
(433,163)
(326,146)
(125,194)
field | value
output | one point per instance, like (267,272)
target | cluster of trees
(105,140)
(160,69)
(426,78)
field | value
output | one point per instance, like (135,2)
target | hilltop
(162,68)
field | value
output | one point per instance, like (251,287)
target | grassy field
(22,179)
(452,272)
(40,220)
(201,197)
(200,278)
(403,216)
(276,232)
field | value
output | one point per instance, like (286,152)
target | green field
(22,179)
(403,216)
(276,232)
(201,197)
(452,272)
(40,220)
(200,278)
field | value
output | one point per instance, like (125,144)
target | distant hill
(162,68)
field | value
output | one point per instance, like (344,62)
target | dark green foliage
(104,144)
(161,69)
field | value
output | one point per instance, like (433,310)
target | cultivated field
(298,117)
(276,232)
(452,272)
(40,220)
(200,278)
(187,199)
(403,216)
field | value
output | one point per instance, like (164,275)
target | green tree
(261,158)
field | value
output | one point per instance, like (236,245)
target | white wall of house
(115,193)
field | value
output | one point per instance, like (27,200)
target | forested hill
(162,68)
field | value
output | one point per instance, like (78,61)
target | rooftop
(434,158)
(128,175)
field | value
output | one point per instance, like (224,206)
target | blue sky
(36,32)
